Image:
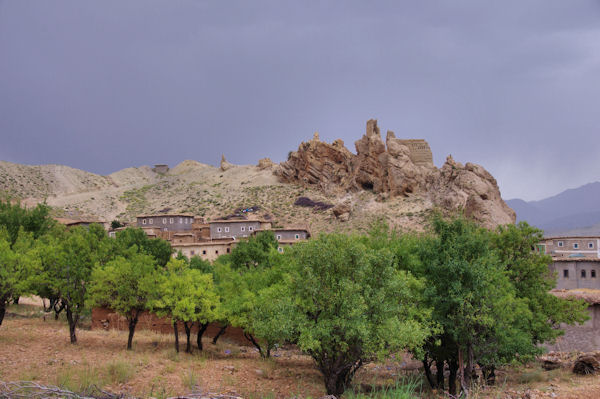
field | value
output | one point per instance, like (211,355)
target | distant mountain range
(573,212)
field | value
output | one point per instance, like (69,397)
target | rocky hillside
(324,186)
(398,168)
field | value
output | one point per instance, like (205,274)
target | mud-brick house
(236,228)
(167,222)
(585,337)
(207,250)
(288,236)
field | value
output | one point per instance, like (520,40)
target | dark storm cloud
(511,85)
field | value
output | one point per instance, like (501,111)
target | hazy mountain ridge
(575,211)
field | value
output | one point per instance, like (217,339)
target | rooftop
(158,215)
(590,296)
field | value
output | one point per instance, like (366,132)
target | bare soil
(37,348)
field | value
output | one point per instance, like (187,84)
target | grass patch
(119,372)
(404,388)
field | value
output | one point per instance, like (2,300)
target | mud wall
(106,319)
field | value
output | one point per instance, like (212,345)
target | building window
(575,245)
(278,237)
(593,273)
(171,220)
(228,250)
(566,273)
(112,234)
(150,221)
(280,249)
(297,236)
(583,274)
(560,243)
(185,220)
(192,252)
(164,220)
(144,221)
(243,228)
(180,220)
(216,251)
(250,228)
(218,229)
(204,252)
(226,229)
(590,245)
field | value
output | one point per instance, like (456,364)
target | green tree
(14,217)
(158,248)
(244,278)
(352,305)
(485,289)
(188,296)
(68,257)
(17,265)
(125,285)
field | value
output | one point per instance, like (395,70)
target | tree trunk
(439,366)
(221,332)
(427,369)
(176,336)
(453,367)
(2,312)
(132,323)
(250,338)
(201,329)
(72,319)
(188,332)
(489,374)
(338,377)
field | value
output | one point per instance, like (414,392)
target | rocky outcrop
(265,163)
(224,164)
(397,168)
(328,166)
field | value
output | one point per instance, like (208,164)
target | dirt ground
(35,348)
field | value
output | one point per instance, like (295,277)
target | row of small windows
(583,273)
(243,228)
(171,221)
(192,252)
(575,245)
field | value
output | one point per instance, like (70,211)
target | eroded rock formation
(397,168)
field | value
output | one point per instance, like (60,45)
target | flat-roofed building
(236,228)
(167,222)
(287,236)
(207,250)
(576,272)
(568,246)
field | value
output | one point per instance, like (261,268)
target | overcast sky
(104,85)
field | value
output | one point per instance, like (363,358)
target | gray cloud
(101,86)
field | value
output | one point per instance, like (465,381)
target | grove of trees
(457,296)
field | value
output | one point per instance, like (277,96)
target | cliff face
(397,168)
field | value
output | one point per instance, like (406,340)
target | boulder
(342,211)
